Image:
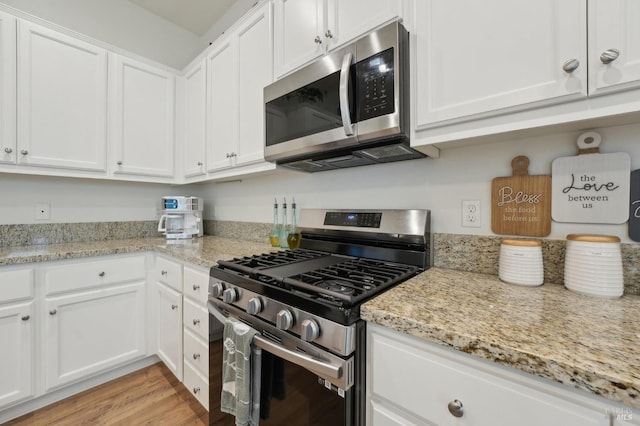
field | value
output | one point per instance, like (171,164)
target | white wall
(120,23)
(436,184)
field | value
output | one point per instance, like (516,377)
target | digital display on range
(359,219)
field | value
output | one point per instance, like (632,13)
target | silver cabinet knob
(216,290)
(53,312)
(196,287)
(230,295)
(119,162)
(26,318)
(455,408)
(571,65)
(284,320)
(101,274)
(228,155)
(309,330)
(163,273)
(317,40)
(196,321)
(199,163)
(8,150)
(174,307)
(255,306)
(609,56)
(328,34)
(196,356)
(24,152)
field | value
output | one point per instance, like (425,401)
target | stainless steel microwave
(348,108)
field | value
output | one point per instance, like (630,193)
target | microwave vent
(382,152)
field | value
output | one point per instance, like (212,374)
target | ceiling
(196,16)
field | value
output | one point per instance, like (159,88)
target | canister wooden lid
(593,238)
(521,242)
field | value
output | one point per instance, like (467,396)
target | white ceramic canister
(593,265)
(521,262)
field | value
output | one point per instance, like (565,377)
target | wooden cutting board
(634,207)
(591,187)
(521,204)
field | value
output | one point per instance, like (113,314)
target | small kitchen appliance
(181,217)
(305,304)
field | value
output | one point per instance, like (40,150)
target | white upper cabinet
(614,45)
(195,105)
(62,100)
(142,126)
(307,29)
(477,57)
(7,88)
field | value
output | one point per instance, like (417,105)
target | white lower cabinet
(92,326)
(169,323)
(16,336)
(414,382)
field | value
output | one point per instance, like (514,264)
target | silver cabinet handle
(196,321)
(24,152)
(174,307)
(455,408)
(119,162)
(571,65)
(196,390)
(317,40)
(199,163)
(231,154)
(101,274)
(328,34)
(8,150)
(196,356)
(609,56)
(53,312)
(196,287)
(26,318)
(228,155)
(163,273)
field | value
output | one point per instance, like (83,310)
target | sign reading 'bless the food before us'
(591,187)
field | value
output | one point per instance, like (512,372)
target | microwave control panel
(375,88)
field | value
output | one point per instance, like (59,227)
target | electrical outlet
(471,213)
(42,211)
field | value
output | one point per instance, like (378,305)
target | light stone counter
(589,343)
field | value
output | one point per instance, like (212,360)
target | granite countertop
(586,342)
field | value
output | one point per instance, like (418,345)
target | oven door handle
(344,94)
(322,368)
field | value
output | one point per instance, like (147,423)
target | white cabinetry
(196,333)
(17,336)
(195,107)
(142,114)
(169,314)
(239,66)
(307,29)
(94,317)
(62,100)
(414,382)
(7,88)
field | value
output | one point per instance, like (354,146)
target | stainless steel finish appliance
(349,108)
(181,217)
(305,305)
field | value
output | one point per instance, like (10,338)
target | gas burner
(337,286)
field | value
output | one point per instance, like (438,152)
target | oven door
(300,383)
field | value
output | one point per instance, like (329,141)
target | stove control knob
(310,330)
(255,306)
(230,295)
(284,320)
(216,289)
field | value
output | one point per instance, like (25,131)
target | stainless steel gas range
(305,305)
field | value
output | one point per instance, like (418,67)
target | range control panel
(359,219)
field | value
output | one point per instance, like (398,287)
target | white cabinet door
(222,113)
(169,323)
(614,35)
(299,33)
(475,58)
(255,66)
(16,352)
(195,110)
(347,20)
(62,100)
(7,88)
(87,332)
(142,118)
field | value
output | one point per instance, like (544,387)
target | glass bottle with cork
(293,239)
(274,238)
(284,228)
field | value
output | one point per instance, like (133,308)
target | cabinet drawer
(16,285)
(196,352)
(423,381)
(197,385)
(196,318)
(196,284)
(95,273)
(169,272)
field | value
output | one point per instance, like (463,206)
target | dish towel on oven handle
(241,363)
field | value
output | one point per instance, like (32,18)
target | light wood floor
(151,396)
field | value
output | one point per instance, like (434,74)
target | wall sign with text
(591,187)
(634,207)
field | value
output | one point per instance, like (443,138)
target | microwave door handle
(344,94)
